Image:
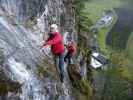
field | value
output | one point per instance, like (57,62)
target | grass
(95,8)
(129,52)
(103,33)
(102,37)
(130,47)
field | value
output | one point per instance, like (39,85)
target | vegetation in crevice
(7,85)
(82,19)
(46,69)
(81,87)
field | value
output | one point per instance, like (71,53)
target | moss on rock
(8,86)
(47,69)
(81,87)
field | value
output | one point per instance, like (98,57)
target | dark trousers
(59,61)
(68,58)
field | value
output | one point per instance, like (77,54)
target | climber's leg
(68,58)
(56,62)
(61,66)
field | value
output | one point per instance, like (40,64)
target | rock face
(23,25)
(51,11)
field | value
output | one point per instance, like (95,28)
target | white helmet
(54,26)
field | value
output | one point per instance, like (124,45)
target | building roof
(94,63)
(98,60)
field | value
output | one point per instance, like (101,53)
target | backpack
(72,47)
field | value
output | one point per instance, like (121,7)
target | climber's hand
(43,45)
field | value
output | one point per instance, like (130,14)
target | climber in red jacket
(71,50)
(57,47)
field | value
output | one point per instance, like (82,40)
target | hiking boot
(62,78)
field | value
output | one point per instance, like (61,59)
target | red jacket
(56,42)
